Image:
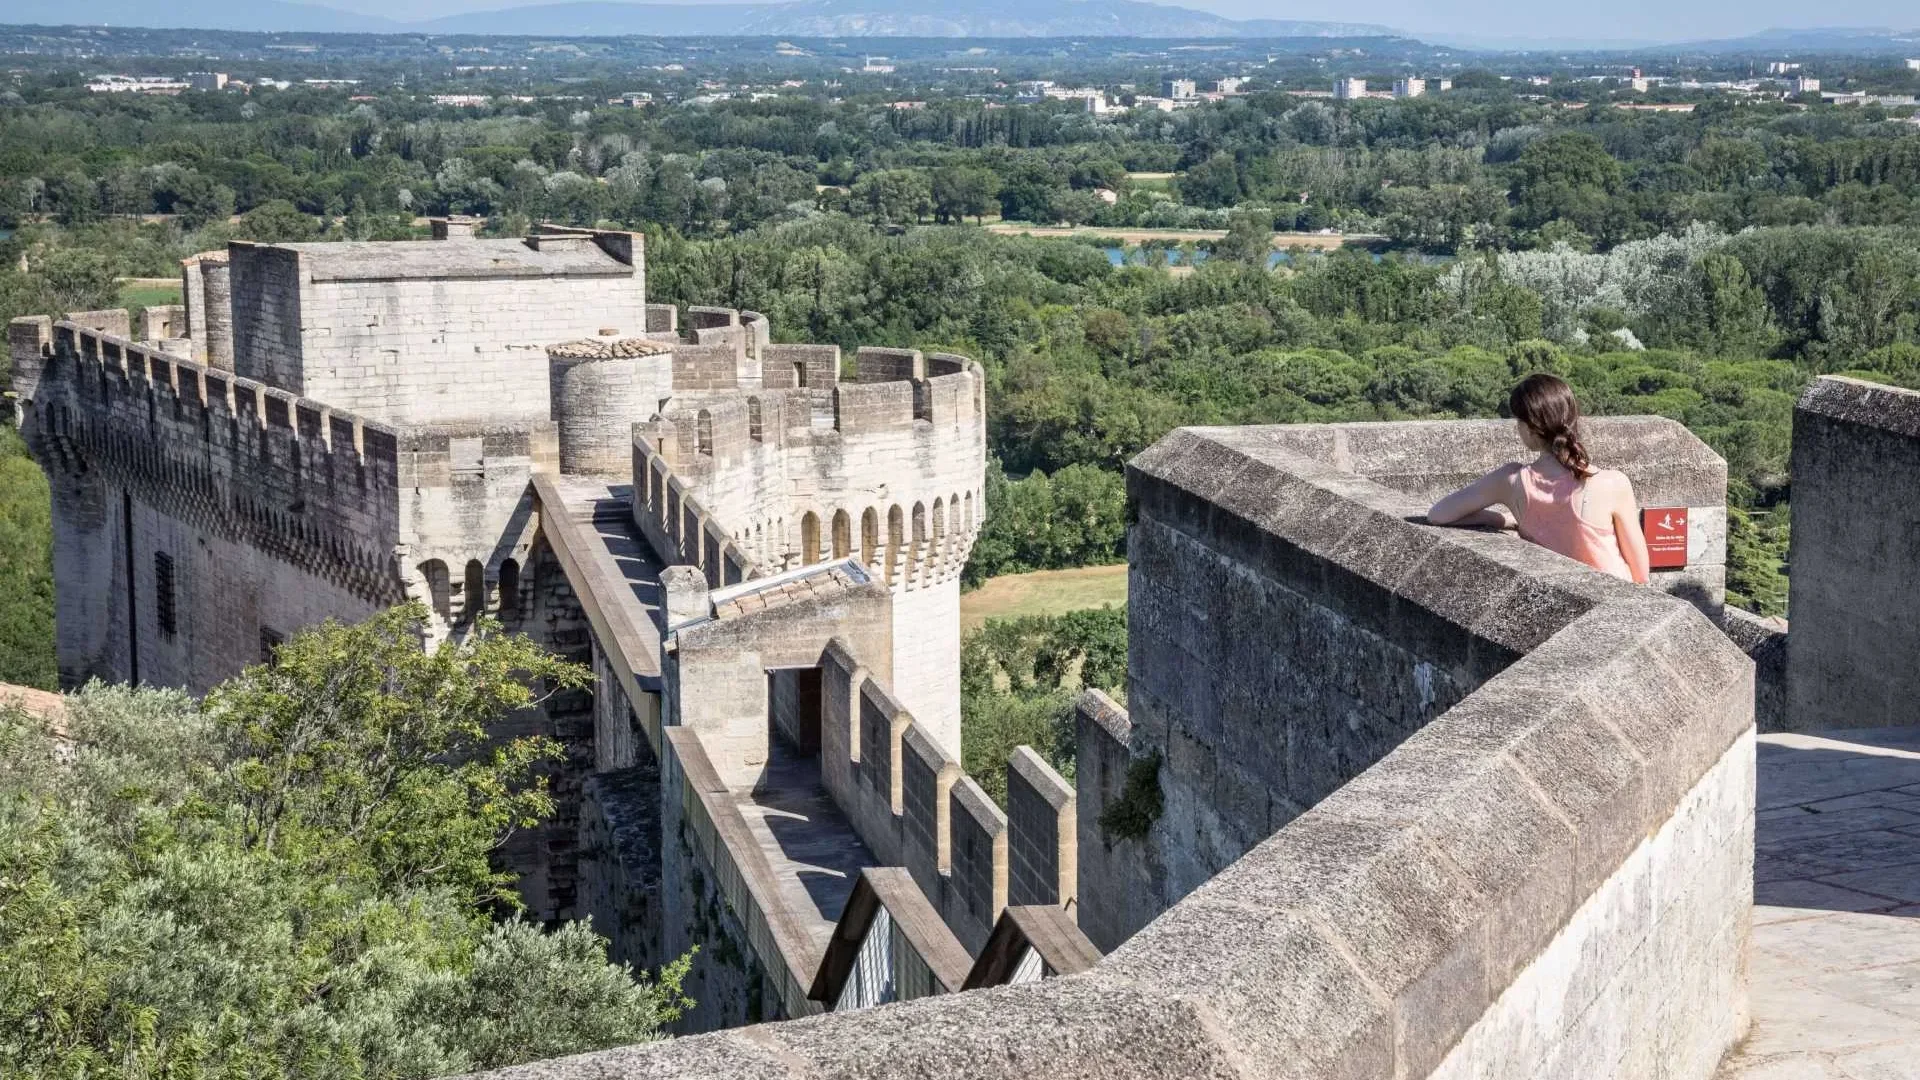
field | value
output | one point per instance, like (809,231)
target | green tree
(247,888)
(1569,179)
(1249,238)
(1213,182)
(1756,552)
(1737,319)
(893,196)
(26,589)
(277,222)
(963,191)
(75,279)
(358,748)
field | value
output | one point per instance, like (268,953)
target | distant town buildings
(1229,85)
(1179,88)
(878,65)
(462,101)
(1406,88)
(1349,89)
(634,99)
(206,80)
(1860,97)
(1801,84)
(1782,67)
(1638,84)
(1913,65)
(135,84)
(1096,102)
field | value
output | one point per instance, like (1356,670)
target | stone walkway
(1836,935)
(811,846)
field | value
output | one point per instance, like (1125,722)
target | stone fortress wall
(422,463)
(1855,587)
(1289,714)
(763,459)
(731,861)
(1503,826)
(1385,800)
(239,512)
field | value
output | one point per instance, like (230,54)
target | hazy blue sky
(1612,20)
(1656,20)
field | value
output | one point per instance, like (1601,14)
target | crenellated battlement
(302,481)
(913,806)
(900,797)
(506,428)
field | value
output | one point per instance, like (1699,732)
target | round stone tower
(600,387)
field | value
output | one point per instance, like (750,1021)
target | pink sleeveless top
(1551,518)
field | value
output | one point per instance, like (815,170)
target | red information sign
(1666,529)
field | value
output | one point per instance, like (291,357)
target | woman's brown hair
(1545,403)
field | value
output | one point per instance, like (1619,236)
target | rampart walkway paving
(811,846)
(1836,935)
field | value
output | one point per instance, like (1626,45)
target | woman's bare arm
(1626,528)
(1479,503)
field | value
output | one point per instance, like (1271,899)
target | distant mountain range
(881,19)
(1830,39)
(803,18)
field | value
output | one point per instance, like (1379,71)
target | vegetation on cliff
(292,877)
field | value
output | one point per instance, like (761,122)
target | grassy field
(1045,592)
(148,292)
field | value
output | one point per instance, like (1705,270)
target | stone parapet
(1669,467)
(1041,852)
(728,850)
(1854,594)
(1765,643)
(1521,846)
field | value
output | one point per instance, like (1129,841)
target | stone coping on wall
(893,888)
(1855,401)
(573,518)
(1854,590)
(1369,934)
(446,260)
(1668,464)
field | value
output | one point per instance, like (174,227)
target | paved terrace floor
(1836,934)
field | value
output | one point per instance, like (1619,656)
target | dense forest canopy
(1701,265)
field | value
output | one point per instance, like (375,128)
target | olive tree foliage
(1018,680)
(283,881)
(1641,278)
